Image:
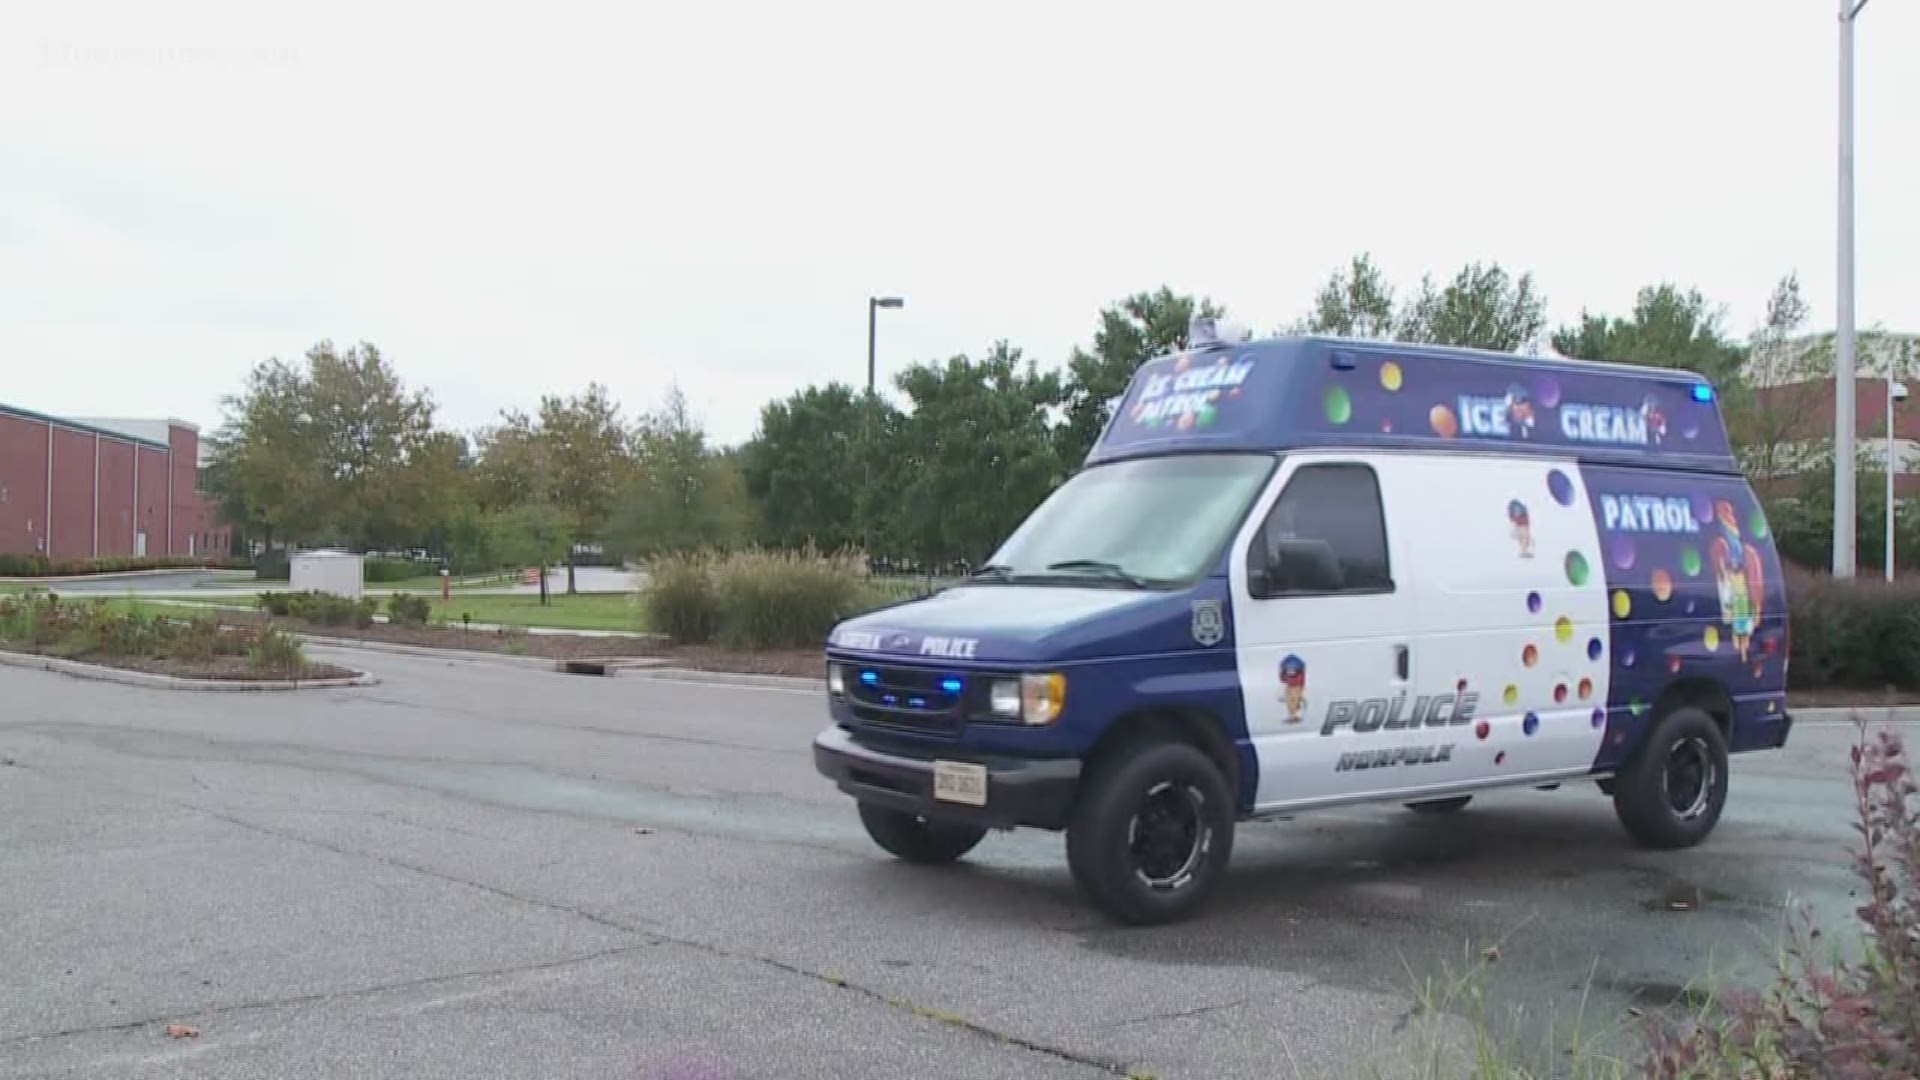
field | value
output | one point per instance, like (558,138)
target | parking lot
(482,870)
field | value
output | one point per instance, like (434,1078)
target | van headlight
(1035,698)
(837,680)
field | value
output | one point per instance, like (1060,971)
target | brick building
(76,489)
(1794,398)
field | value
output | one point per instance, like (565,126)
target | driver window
(1325,535)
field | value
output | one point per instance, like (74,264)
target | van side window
(1326,534)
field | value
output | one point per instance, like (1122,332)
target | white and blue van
(1307,572)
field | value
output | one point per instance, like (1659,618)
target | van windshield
(1148,522)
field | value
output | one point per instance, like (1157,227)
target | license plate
(960,782)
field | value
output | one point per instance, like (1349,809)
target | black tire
(1441,806)
(917,840)
(1165,868)
(1670,793)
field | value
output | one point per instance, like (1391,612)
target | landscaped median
(91,640)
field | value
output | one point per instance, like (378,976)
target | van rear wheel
(917,840)
(1671,792)
(1151,833)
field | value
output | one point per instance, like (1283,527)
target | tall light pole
(1895,392)
(874,304)
(1843,385)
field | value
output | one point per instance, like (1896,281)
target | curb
(117,575)
(151,681)
(733,678)
(1847,714)
(583,665)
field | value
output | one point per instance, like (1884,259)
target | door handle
(1400,662)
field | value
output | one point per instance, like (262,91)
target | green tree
(811,464)
(575,453)
(1483,307)
(337,450)
(976,452)
(1356,302)
(1131,332)
(535,533)
(683,496)
(1669,328)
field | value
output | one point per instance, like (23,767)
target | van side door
(1325,635)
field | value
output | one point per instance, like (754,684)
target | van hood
(1003,623)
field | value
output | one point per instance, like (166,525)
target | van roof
(1302,392)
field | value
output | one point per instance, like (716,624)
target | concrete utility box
(336,572)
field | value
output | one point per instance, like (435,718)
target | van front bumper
(1020,791)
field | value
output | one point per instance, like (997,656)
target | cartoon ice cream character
(1293,683)
(1656,420)
(1520,411)
(1737,569)
(1522,527)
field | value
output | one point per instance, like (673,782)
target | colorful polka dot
(1673,664)
(1482,729)
(1623,552)
(1702,509)
(1500,758)
(1338,405)
(1622,604)
(1560,693)
(1662,586)
(1599,718)
(1757,525)
(1529,656)
(1577,568)
(1531,724)
(1511,695)
(1586,689)
(1563,629)
(1594,649)
(1690,606)
(1628,658)
(1533,602)
(1443,422)
(1690,561)
(1560,487)
(1637,707)
(1712,638)
(1390,375)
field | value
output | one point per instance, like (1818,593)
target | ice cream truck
(1303,573)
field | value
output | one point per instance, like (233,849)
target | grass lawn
(587,611)
(130,605)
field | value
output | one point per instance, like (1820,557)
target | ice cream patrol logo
(1508,416)
(1187,396)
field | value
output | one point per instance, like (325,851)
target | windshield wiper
(1105,569)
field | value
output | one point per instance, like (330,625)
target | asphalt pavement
(473,870)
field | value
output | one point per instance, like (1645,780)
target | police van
(1306,572)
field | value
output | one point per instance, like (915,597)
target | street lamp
(875,303)
(1896,391)
(1843,428)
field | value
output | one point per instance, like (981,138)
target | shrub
(197,641)
(387,571)
(277,603)
(408,609)
(770,600)
(1863,633)
(41,566)
(1825,1017)
(275,652)
(679,599)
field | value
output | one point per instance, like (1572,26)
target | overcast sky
(707,193)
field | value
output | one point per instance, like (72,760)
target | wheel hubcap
(1689,778)
(1169,835)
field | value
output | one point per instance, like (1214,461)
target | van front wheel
(1151,833)
(1671,792)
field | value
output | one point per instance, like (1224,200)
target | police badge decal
(1209,623)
